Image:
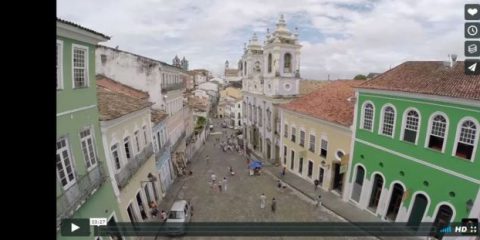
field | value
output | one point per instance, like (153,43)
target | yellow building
(316,134)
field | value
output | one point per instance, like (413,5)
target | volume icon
(447,229)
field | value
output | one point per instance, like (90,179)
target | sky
(339,38)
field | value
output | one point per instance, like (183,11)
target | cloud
(340,38)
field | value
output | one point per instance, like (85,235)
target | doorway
(443,219)
(321,173)
(395,202)
(418,210)
(358,184)
(143,213)
(268,149)
(337,178)
(376,192)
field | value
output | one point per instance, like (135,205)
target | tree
(360,77)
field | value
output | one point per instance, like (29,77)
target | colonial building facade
(415,145)
(270,76)
(316,134)
(83,186)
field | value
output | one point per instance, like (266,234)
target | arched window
(257,66)
(287,63)
(245,69)
(388,121)
(438,128)
(368,112)
(466,140)
(269,63)
(410,130)
(260,117)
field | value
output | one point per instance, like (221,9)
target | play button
(75,227)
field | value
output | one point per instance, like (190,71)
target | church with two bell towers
(270,74)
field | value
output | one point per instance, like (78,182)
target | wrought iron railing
(133,165)
(72,198)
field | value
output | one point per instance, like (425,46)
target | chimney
(453,59)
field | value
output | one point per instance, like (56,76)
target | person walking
(213,177)
(225,184)
(318,202)
(274,205)
(283,171)
(263,199)
(315,183)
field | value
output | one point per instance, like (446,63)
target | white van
(180,212)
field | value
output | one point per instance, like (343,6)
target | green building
(415,145)
(83,186)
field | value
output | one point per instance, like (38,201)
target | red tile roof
(329,102)
(83,28)
(428,77)
(116,99)
(158,116)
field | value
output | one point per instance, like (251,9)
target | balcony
(171,87)
(163,150)
(77,194)
(133,165)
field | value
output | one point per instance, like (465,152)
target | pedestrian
(274,205)
(225,184)
(219,187)
(163,215)
(279,184)
(315,183)
(318,203)
(214,178)
(263,199)
(283,171)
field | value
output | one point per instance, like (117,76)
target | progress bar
(271,229)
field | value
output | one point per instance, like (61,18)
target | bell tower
(281,62)
(252,66)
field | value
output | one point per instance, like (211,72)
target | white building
(163,82)
(270,76)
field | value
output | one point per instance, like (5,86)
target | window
(292,160)
(310,169)
(287,61)
(116,156)
(245,68)
(411,126)
(300,165)
(466,140)
(155,143)
(257,66)
(323,148)
(137,140)
(269,118)
(339,154)
(64,164)
(302,138)
(368,117)
(260,119)
(145,138)
(293,134)
(59,64)
(128,148)
(312,144)
(269,63)
(285,134)
(285,151)
(388,121)
(437,132)
(80,72)
(88,148)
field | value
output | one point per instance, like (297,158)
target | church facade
(270,76)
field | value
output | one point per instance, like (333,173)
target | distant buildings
(180,63)
(231,74)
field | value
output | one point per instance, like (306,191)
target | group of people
(220,185)
(263,200)
(154,211)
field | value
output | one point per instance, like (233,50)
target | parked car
(179,214)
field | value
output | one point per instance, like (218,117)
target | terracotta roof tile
(308,86)
(158,116)
(116,100)
(83,28)
(428,77)
(328,102)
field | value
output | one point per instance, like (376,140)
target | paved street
(241,201)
